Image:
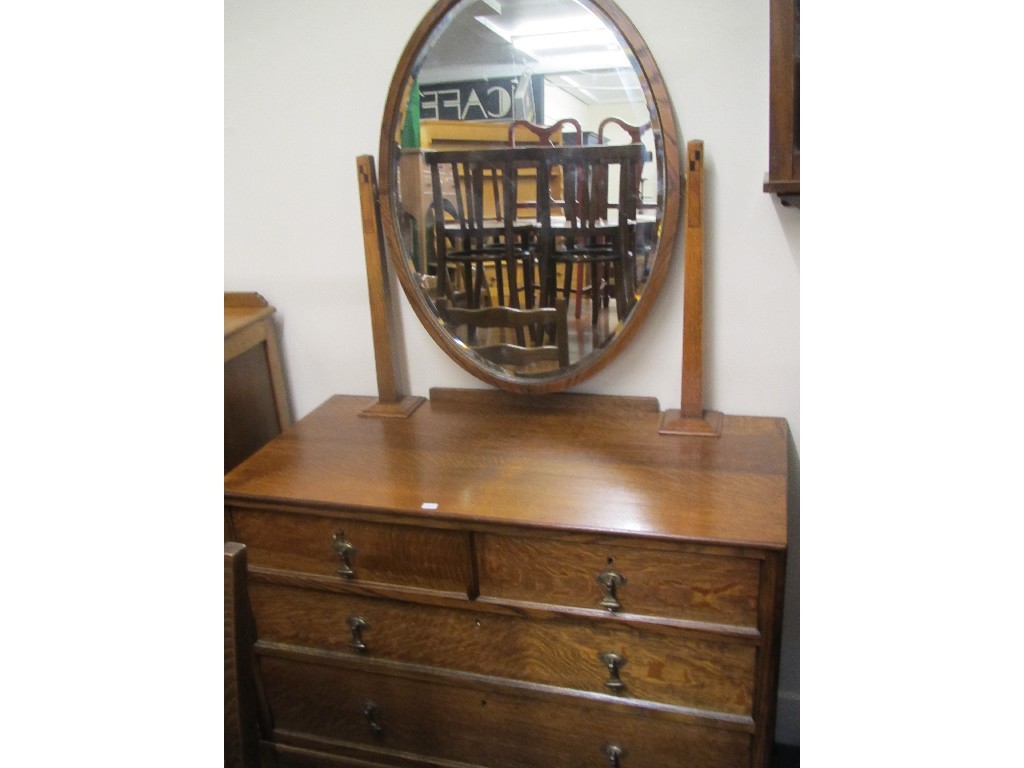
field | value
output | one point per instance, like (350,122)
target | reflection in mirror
(530,174)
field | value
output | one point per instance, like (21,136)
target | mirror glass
(483,209)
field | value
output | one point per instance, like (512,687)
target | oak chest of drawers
(503,582)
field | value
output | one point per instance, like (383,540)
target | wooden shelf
(783,177)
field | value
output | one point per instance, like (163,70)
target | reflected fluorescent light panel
(542,27)
(581,42)
(571,41)
(573,84)
(488,21)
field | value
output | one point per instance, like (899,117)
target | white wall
(305,83)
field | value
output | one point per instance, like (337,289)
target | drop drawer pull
(370,711)
(356,624)
(614,753)
(611,581)
(344,549)
(614,663)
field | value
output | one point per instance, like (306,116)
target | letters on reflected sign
(491,99)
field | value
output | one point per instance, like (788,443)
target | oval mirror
(529,185)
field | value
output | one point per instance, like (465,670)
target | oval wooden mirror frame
(668,140)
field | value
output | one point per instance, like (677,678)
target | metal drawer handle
(614,753)
(370,711)
(614,662)
(611,581)
(344,549)
(357,624)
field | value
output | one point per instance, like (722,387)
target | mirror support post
(691,418)
(391,402)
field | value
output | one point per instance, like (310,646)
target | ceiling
(561,39)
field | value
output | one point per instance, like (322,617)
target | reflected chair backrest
(479,231)
(502,351)
(635,133)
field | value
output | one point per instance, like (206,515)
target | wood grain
(680,585)
(482,727)
(494,457)
(384,553)
(483,618)
(392,401)
(692,402)
(661,666)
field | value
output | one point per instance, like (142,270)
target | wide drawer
(672,583)
(353,550)
(653,664)
(482,726)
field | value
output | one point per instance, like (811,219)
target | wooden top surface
(575,462)
(243,309)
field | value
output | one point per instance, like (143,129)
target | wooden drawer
(488,726)
(663,666)
(399,555)
(671,583)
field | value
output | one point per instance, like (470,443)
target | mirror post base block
(400,410)
(674,423)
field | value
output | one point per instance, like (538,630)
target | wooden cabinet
(255,401)
(783,178)
(514,584)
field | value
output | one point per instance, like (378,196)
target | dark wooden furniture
(255,400)
(240,720)
(783,177)
(496,581)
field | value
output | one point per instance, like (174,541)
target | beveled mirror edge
(653,82)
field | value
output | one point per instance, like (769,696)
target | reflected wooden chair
(635,135)
(587,237)
(454,287)
(545,135)
(507,321)
(481,231)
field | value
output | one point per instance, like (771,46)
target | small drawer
(617,576)
(355,550)
(663,666)
(499,728)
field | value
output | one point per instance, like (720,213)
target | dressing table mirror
(472,79)
(518,576)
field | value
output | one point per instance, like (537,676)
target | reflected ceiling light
(573,84)
(573,40)
(581,42)
(543,26)
(489,22)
